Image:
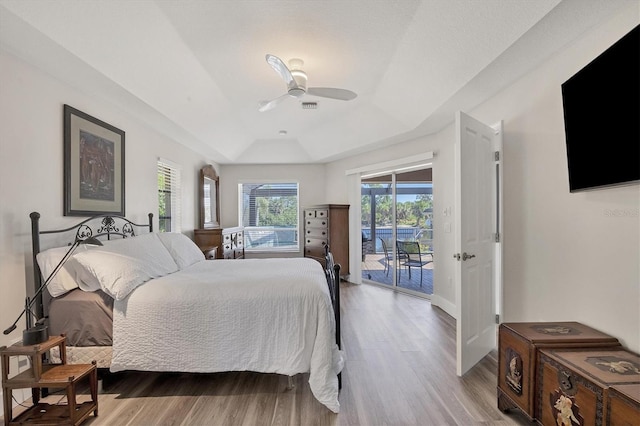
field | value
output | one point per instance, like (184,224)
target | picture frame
(93,166)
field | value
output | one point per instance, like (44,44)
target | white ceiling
(196,70)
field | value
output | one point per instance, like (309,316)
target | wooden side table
(41,375)
(210,253)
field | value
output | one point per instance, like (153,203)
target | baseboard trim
(444,304)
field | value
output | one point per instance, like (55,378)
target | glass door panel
(414,230)
(377,228)
(397,230)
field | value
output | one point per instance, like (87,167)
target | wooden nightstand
(210,253)
(41,375)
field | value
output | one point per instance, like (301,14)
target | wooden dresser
(327,224)
(226,243)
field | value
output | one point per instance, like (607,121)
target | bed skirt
(85,355)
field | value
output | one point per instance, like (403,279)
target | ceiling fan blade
(268,105)
(282,70)
(331,92)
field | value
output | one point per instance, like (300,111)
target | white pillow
(184,251)
(85,280)
(123,265)
(65,280)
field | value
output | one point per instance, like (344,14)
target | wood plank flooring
(400,370)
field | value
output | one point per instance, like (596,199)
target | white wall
(31,171)
(310,178)
(571,257)
(566,256)
(441,145)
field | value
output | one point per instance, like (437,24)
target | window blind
(169,196)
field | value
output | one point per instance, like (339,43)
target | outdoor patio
(373,269)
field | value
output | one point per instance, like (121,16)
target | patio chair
(411,257)
(366,246)
(388,257)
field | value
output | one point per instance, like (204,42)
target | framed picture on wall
(93,165)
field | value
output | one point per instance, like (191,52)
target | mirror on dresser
(209,198)
(214,241)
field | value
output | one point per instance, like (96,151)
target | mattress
(85,317)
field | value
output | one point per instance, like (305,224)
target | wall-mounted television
(601,105)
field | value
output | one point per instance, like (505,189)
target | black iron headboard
(106,226)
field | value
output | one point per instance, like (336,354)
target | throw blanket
(263,315)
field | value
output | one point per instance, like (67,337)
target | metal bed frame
(110,226)
(105,225)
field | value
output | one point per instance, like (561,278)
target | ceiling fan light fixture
(300,78)
(295,64)
(296,81)
(309,105)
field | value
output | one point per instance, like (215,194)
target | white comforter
(263,315)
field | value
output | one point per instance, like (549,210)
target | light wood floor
(400,370)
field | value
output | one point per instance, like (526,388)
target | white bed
(264,315)
(175,311)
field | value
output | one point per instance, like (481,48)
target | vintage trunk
(518,350)
(623,405)
(573,386)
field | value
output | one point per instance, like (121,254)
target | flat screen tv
(601,105)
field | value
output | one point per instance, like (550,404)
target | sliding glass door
(377,230)
(397,230)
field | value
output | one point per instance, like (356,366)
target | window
(169,197)
(269,214)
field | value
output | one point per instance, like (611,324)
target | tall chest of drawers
(327,224)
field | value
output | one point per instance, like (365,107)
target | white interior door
(475,241)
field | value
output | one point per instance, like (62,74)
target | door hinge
(497,318)
(497,237)
(496,155)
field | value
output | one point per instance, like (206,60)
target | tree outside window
(269,214)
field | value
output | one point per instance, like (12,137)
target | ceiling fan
(296,80)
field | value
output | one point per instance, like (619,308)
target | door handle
(466,256)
